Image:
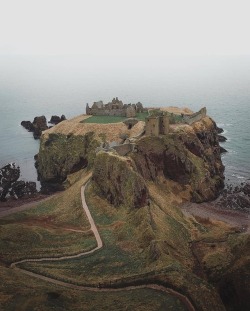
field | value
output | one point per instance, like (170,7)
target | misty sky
(130,27)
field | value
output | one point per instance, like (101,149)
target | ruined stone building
(158,122)
(157,125)
(114,108)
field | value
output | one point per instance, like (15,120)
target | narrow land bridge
(99,241)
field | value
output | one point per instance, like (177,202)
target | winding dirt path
(99,241)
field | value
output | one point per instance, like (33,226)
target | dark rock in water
(21,188)
(39,124)
(242,201)
(10,186)
(8,175)
(222,138)
(222,150)
(219,130)
(246,189)
(57,119)
(236,197)
(28,125)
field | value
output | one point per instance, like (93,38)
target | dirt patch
(211,211)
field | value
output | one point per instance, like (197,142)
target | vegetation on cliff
(116,179)
(134,203)
(188,156)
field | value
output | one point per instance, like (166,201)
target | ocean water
(46,85)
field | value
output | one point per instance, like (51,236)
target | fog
(131,27)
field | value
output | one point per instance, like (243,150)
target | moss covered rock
(116,178)
(188,156)
(60,155)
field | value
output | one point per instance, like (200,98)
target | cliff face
(116,178)
(60,155)
(189,155)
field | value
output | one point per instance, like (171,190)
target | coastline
(210,211)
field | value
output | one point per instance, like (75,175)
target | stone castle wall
(124,149)
(114,108)
(197,116)
(157,125)
(108,112)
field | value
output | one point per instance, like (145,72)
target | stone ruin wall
(108,112)
(197,116)
(152,126)
(156,126)
(124,149)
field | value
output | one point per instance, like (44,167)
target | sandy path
(235,218)
(99,241)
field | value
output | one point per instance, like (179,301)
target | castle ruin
(114,108)
(158,123)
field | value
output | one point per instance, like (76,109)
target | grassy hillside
(152,244)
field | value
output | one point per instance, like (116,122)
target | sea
(34,85)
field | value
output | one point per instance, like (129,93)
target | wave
(238,176)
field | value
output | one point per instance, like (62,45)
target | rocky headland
(149,176)
(187,158)
(39,124)
(12,187)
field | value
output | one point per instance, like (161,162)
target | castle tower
(130,112)
(88,110)
(152,126)
(164,125)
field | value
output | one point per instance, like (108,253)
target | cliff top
(111,130)
(172,109)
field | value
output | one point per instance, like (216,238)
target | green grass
(112,119)
(21,292)
(121,257)
(20,241)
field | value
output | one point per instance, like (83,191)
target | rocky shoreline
(39,124)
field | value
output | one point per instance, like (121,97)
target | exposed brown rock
(116,178)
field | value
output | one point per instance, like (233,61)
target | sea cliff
(188,157)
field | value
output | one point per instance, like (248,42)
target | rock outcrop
(57,119)
(235,197)
(11,186)
(189,156)
(37,126)
(116,178)
(60,155)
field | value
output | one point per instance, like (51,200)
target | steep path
(99,241)
(92,227)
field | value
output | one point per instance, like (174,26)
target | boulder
(11,186)
(28,125)
(222,138)
(8,175)
(117,179)
(37,126)
(223,150)
(56,119)
(40,124)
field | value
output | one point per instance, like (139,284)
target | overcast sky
(124,27)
